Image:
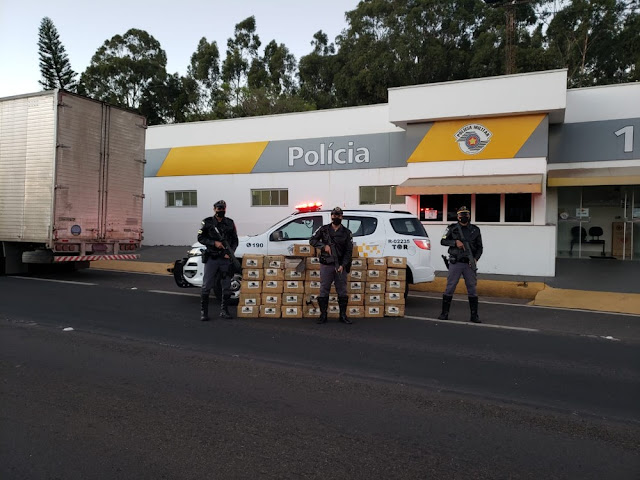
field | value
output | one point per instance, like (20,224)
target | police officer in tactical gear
(213,231)
(336,244)
(460,260)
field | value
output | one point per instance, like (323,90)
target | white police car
(376,234)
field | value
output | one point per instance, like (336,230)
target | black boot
(323,303)
(473,306)
(446,305)
(342,302)
(224,310)
(204,307)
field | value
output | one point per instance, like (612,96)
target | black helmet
(220,204)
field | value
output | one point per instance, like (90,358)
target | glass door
(626,225)
(570,225)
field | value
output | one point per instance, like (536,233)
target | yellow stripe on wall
(508,136)
(212,159)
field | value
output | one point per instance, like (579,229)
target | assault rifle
(227,250)
(467,250)
(334,253)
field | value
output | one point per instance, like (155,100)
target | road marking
(470,324)
(176,293)
(56,281)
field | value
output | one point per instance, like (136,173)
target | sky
(178,25)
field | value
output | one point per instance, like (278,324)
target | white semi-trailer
(71,180)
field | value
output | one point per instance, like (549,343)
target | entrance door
(626,226)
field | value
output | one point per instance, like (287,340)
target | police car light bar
(309,207)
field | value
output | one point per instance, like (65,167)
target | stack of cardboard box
(288,286)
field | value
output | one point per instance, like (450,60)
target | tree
(242,50)
(316,73)
(127,70)
(204,69)
(54,63)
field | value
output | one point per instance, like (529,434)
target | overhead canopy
(472,184)
(594,176)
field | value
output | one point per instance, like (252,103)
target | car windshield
(408,226)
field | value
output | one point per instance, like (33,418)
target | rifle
(334,254)
(227,249)
(467,250)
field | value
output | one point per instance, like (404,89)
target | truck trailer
(71,181)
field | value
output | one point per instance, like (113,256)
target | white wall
(508,249)
(608,102)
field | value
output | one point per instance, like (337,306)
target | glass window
(187,198)
(379,194)
(267,198)
(298,229)
(517,207)
(360,226)
(431,208)
(487,207)
(454,202)
(408,226)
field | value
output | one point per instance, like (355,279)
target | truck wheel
(178,275)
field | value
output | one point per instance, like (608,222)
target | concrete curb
(538,293)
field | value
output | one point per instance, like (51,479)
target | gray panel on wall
(154,160)
(537,145)
(594,141)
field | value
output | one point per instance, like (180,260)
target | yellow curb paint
(587,300)
(138,267)
(489,288)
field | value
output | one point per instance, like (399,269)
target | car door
(298,230)
(368,234)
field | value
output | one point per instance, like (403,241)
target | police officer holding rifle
(336,244)
(218,233)
(465,249)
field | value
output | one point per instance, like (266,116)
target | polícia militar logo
(473,138)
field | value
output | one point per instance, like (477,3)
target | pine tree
(54,64)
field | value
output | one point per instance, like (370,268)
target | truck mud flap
(178,276)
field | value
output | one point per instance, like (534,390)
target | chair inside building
(578,235)
(595,233)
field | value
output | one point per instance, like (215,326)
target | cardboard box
(294,263)
(292,274)
(291,311)
(312,263)
(312,275)
(271,299)
(333,311)
(292,299)
(274,261)
(397,262)
(394,311)
(309,311)
(396,274)
(251,286)
(395,286)
(252,261)
(374,287)
(373,299)
(333,298)
(376,275)
(373,311)
(356,299)
(303,250)
(273,274)
(355,311)
(376,262)
(359,264)
(311,298)
(312,287)
(248,311)
(394,298)
(268,311)
(357,275)
(249,299)
(294,286)
(252,274)
(354,251)
(355,287)
(272,286)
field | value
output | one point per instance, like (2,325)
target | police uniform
(341,239)
(215,229)
(459,264)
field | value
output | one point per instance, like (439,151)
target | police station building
(547,172)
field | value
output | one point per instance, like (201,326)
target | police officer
(459,261)
(336,244)
(213,231)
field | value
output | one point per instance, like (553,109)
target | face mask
(336,220)
(220,213)
(464,219)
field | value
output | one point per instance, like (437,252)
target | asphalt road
(141,389)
